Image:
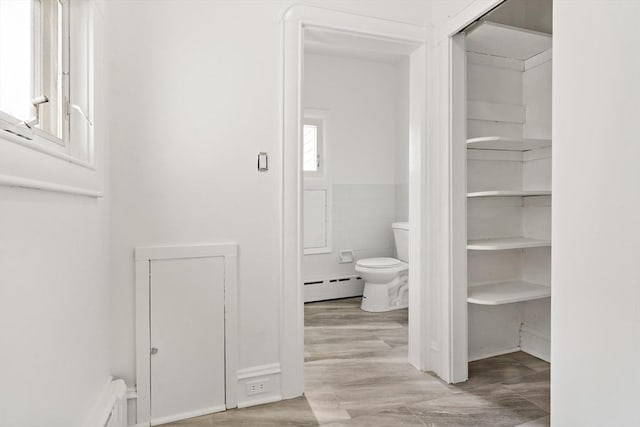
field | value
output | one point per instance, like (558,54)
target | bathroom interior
(356,183)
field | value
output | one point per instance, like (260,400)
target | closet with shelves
(508,208)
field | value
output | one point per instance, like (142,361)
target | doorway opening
(341,182)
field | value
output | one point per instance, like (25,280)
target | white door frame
(446,167)
(143,257)
(296,19)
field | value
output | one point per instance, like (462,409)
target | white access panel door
(187,329)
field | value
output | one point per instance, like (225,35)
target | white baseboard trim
(473,358)
(186,415)
(270,374)
(333,290)
(259,371)
(535,344)
(260,401)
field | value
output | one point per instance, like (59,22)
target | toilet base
(381,297)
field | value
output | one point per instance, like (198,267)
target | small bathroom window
(312,147)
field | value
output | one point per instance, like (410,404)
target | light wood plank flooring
(356,374)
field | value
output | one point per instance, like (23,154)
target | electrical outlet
(257,387)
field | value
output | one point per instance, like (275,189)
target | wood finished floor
(356,374)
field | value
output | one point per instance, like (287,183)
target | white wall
(196,93)
(360,98)
(54,297)
(596,198)
(53,307)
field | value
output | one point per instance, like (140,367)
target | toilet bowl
(386,284)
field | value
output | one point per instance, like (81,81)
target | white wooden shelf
(506,293)
(507,144)
(495,39)
(509,193)
(506,243)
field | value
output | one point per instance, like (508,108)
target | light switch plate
(263,161)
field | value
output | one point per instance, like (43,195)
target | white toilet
(386,284)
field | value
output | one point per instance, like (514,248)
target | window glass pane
(51,66)
(310,149)
(15,58)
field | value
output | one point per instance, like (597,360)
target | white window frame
(13,124)
(320,160)
(319,180)
(31,158)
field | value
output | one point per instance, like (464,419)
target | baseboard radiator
(112,409)
(332,288)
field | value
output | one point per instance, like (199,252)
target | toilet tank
(401,236)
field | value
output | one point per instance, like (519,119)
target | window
(312,146)
(48,65)
(34,69)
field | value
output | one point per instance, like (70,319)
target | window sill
(29,164)
(44,146)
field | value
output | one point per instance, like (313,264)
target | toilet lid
(379,262)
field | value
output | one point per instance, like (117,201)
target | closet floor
(356,373)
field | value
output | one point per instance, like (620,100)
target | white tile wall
(362,217)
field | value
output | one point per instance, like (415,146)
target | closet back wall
(362,100)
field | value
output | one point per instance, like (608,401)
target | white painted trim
(490,155)
(458,206)
(493,354)
(296,19)
(145,253)
(270,373)
(319,118)
(143,256)
(322,184)
(113,392)
(143,342)
(132,393)
(317,251)
(260,401)
(538,154)
(34,184)
(419,317)
(259,371)
(45,149)
(535,344)
(444,224)
(466,17)
(538,60)
(186,415)
(495,112)
(333,290)
(495,61)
